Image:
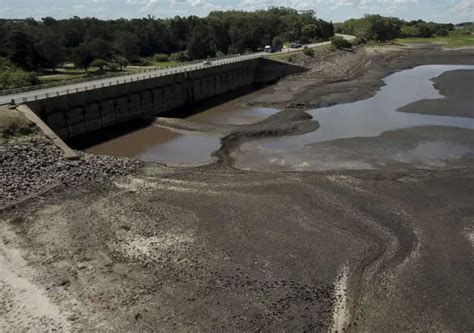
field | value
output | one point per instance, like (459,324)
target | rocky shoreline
(35,164)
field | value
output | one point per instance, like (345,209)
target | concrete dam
(79,113)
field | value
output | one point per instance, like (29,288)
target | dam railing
(113,79)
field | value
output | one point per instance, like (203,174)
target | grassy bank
(449,41)
(14,125)
(70,73)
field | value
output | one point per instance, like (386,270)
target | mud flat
(214,248)
(458,91)
(373,133)
(346,77)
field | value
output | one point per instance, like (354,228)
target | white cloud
(380,5)
(78,7)
(146,4)
(464,8)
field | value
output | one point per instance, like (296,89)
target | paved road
(65,89)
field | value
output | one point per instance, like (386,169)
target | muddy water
(156,144)
(367,118)
(364,119)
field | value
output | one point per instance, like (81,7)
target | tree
(127,44)
(120,61)
(277,43)
(49,21)
(425,31)
(101,64)
(326,28)
(52,52)
(201,45)
(309,32)
(19,49)
(410,31)
(81,57)
(100,49)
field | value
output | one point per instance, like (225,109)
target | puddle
(367,118)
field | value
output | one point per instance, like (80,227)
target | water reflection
(367,118)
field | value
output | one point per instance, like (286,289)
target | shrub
(340,43)
(181,56)
(113,67)
(309,52)
(7,65)
(17,79)
(101,64)
(442,33)
(460,32)
(120,61)
(358,41)
(161,57)
(13,124)
(144,62)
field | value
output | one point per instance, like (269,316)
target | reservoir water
(363,119)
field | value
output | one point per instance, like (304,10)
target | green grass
(449,41)
(59,77)
(70,73)
(14,125)
(153,65)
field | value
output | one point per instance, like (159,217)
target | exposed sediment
(214,248)
(457,90)
(283,123)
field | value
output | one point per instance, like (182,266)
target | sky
(454,11)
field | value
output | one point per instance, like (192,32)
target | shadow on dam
(92,142)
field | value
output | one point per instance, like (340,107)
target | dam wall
(80,113)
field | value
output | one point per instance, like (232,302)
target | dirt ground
(214,248)
(459,98)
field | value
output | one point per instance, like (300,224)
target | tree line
(379,28)
(47,43)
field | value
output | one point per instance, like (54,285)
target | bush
(144,62)
(442,33)
(161,57)
(358,41)
(101,64)
(460,32)
(120,61)
(181,56)
(340,43)
(13,124)
(113,67)
(7,65)
(17,79)
(309,52)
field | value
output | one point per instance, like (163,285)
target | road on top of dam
(38,94)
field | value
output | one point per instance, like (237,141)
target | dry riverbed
(118,245)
